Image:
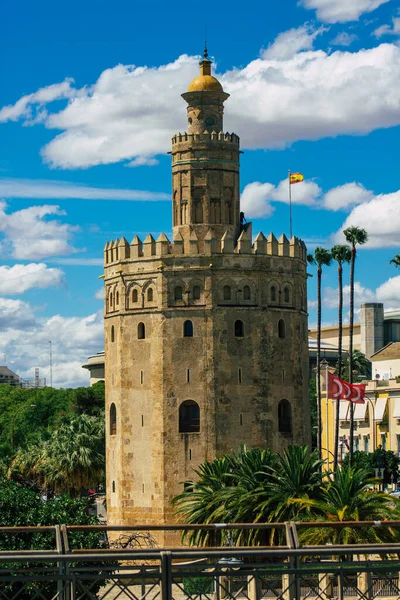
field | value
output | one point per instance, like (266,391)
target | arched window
(112,333)
(246,293)
(227,292)
(113,419)
(134,295)
(189,417)
(178,293)
(281,328)
(117,298)
(196,292)
(141,331)
(286,294)
(150,295)
(188,329)
(284,416)
(239,329)
(111,299)
(273,293)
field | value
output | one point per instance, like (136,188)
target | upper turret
(205,98)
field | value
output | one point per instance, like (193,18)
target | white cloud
(143,161)
(389,292)
(380,216)
(14,314)
(344,38)
(361,294)
(341,11)
(256,197)
(131,112)
(290,42)
(20,278)
(99,295)
(387,29)
(25,105)
(32,236)
(26,342)
(346,196)
(57,190)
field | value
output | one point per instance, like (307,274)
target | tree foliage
(257,486)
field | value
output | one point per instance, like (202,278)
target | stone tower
(205,337)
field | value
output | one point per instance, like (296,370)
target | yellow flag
(296,177)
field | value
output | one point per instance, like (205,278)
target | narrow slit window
(178,293)
(113,419)
(273,293)
(246,293)
(241,419)
(286,295)
(113,487)
(142,420)
(239,329)
(190,454)
(227,292)
(117,298)
(134,296)
(188,329)
(150,295)
(281,329)
(141,331)
(188,376)
(196,292)
(141,377)
(239,375)
(284,416)
(112,333)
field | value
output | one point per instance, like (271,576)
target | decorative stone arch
(273,293)
(226,297)
(189,417)
(285,420)
(111,298)
(286,294)
(196,291)
(246,292)
(149,292)
(177,292)
(134,296)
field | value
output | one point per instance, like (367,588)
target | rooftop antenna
(51,364)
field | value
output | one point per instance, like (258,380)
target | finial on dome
(205,53)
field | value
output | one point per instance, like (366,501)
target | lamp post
(13,423)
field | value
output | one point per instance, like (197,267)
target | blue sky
(90,98)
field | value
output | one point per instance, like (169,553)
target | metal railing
(290,571)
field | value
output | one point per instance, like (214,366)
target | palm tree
(354,236)
(350,496)
(322,257)
(395,261)
(341,254)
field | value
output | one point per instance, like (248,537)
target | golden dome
(205,83)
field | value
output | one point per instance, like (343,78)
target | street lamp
(13,422)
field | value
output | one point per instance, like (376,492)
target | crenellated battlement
(230,138)
(120,250)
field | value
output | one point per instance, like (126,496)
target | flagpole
(290,207)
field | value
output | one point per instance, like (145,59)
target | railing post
(254,586)
(166,576)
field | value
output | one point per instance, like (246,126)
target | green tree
(72,459)
(361,367)
(321,258)
(384,460)
(395,261)
(340,254)
(355,236)
(20,506)
(349,496)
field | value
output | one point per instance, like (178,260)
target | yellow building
(377,422)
